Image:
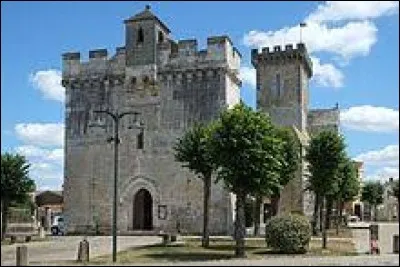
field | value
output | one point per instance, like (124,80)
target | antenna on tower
(302,25)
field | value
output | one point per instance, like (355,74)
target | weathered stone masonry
(172,84)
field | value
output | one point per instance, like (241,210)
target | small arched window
(140,37)
(160,37)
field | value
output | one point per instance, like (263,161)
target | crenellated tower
(282,92)
(282,83)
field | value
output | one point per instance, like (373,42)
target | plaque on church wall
(162,212)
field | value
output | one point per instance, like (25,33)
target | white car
(58,226)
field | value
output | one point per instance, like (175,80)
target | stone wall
(179,87)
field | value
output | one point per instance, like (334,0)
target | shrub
(288,233)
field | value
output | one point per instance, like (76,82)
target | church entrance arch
(142,210)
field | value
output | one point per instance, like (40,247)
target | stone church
(172,84)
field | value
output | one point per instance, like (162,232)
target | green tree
(291,155)
(193,149)
(372,193)
(324,155)
(349,187)
(15,184)
(395,193)
(247,154)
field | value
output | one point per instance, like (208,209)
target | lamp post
(116,118)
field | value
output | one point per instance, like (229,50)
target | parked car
(58,226)
(353,218)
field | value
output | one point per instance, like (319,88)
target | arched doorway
(142,210)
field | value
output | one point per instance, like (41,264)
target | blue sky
(354,48)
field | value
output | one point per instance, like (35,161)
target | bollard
(22,256)
(396,244)
(165,239)
(83,251)
(173,238)
(42,233)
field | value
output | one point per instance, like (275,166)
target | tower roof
(146,15)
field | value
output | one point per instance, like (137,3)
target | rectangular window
(140,140)
(278,84)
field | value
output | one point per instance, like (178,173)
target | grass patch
(219,250)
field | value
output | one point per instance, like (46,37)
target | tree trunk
(315,215)
(337,218)
(240,227)
(341,210)
(321,213)
(206,208)
(275,204)
(375,213)
(257,207)
(329,204)
(4,221)
(324,228)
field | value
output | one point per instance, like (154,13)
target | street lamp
(116,118)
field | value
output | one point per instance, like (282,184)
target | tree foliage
(193,150)
(325,153)
(291,154)
(248,155)
(395,189)
(349,184)
(15,183)
(372,192)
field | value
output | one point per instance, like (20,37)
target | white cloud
(326,75)
(388,156)
(383,174)
(41,154)
(49,83)
(41,134)
(348,41)
(345,10)
(248,75)
(370,118)
(352,35)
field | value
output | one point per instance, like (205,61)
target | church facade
(172,85)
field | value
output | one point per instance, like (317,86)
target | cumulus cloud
(41,154)
(343,30)
(41,134)
(348,41)
(326,75)
(346,10)
(248,75)
(383,174)
(370,118)
(381,164)
(388,156)
(49,84)
(43,148)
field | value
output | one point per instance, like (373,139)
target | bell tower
(143,32)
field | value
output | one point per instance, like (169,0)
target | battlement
(99,61)
(279,54)
(326,116)
(219,49)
